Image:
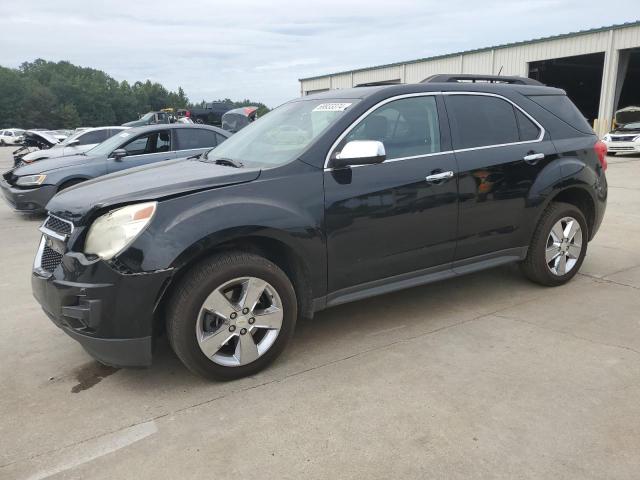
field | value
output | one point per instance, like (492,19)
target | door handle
(532,158)
(439,176)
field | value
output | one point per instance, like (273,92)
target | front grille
(50,259)
(58,225)
(623,139)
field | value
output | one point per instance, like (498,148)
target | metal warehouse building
(599,69)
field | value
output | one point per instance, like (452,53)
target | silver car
(79,142)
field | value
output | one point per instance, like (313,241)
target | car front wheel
(231,316)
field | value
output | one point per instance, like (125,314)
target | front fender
(288,210)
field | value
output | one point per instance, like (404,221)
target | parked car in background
(11,136)
(210,114)
(28,187)
(61,134)
(33,141)
(150,118)
(327,199)
(79,142)
(238,118)
(623,139)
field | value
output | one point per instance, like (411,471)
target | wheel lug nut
(251,321)
(233,315)
(243,331)
(232,328)
(245,311)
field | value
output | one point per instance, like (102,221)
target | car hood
(48,164)
(148,182)
(53,152)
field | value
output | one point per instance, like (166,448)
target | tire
(543,243)
(70,183)
(187,319)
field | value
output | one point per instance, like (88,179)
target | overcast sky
(258,49)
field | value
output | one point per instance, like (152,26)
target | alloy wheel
(564,245)
(239,321)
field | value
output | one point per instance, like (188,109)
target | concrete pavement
(485,376)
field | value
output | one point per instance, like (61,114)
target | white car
(11,136)
(624,139)
(77,143)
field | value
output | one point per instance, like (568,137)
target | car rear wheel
(231,316)
(558,247)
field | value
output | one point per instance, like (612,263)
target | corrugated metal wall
(509,60)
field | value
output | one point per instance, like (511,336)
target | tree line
(43,94)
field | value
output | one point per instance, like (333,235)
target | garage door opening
(579,76)
(627,91)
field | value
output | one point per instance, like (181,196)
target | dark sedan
(28,188)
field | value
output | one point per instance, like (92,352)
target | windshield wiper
(228,162)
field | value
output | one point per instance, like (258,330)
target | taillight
(601,150)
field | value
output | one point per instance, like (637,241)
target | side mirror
(119,154)
(360,152)
(73,142)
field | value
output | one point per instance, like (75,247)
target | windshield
(69,139)
(280,136)
(631,126)
(147,116)
(109,145)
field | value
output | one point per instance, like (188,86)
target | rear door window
(407,127)
(194,138)
(480,121)
(528,130)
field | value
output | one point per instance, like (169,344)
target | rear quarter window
(564,109)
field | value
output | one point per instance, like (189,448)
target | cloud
(256,49)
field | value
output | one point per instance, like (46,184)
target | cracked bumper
(109,313)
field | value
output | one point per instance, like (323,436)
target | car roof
(165,126)
(393,90)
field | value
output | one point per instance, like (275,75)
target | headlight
(30,180)
(607,138)
(111,233)
(636,139)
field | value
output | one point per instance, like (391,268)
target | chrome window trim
(424,94)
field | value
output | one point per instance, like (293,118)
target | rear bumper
(32,200)
(109,313)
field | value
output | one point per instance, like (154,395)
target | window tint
(220,138)
(189,138)
(479,121)
(154,142)
(564,109)
(528,129)
(95,136)
(407,127)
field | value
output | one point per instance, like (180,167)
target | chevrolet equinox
(328,199)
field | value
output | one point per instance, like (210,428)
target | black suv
(328,199)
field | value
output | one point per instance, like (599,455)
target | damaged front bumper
(110,313)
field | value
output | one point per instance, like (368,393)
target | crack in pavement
(607,280)
(569,334)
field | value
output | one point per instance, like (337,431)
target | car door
(500,151)
(149,147)
(193,141)
(388,219)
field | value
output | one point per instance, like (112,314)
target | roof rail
(471,78)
